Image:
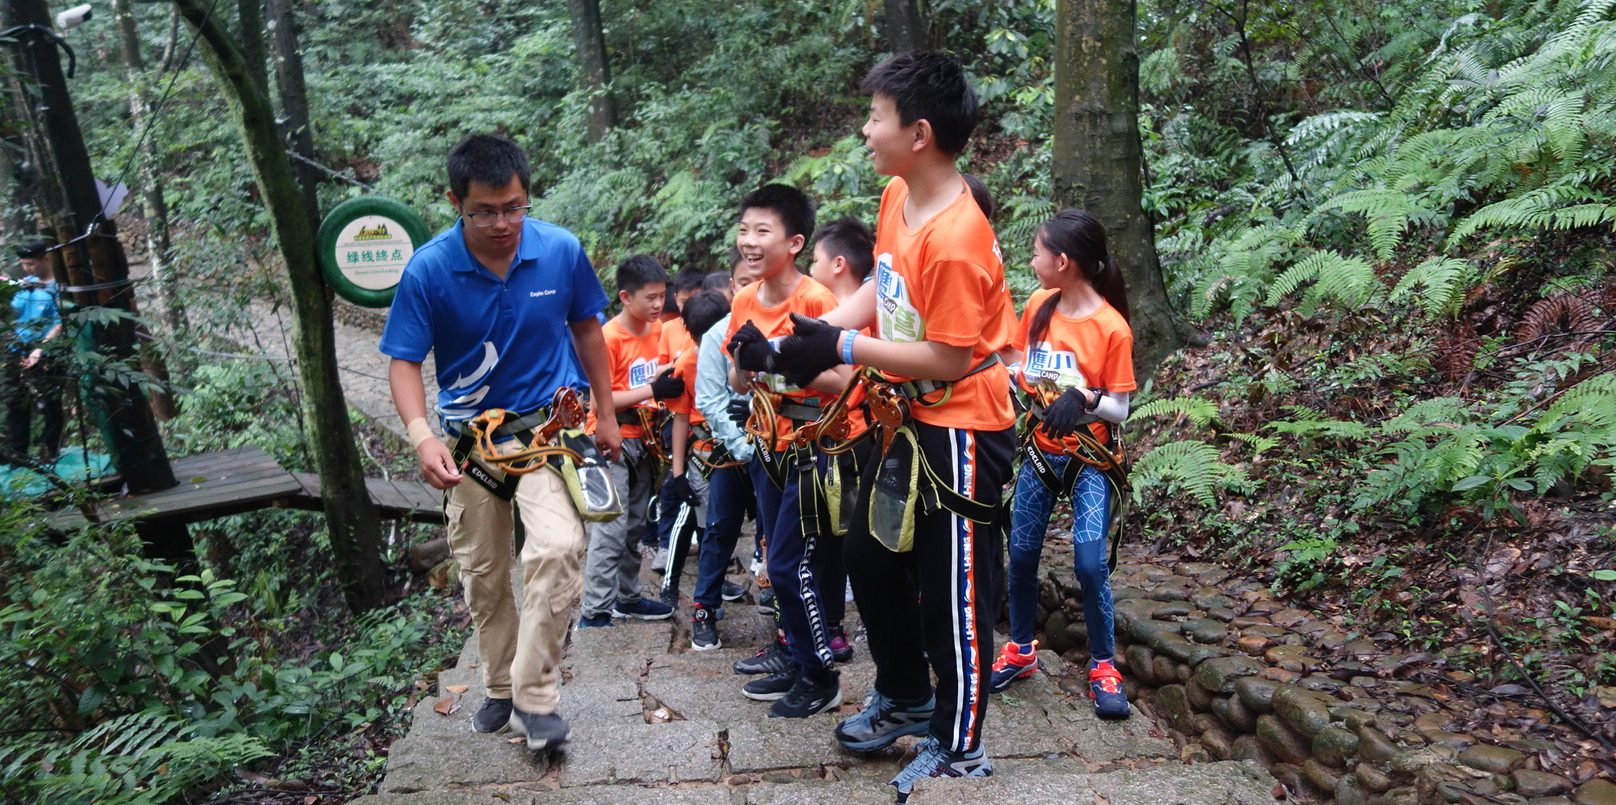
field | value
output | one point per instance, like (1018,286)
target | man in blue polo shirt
(497,298)
(31,380)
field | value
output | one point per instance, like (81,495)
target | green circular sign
(364,245)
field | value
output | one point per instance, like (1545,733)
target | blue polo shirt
(498,343)
(33,311)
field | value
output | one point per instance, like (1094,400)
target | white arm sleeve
(1113,407)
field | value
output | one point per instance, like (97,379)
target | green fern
(1438,284)
(1259,443)
(1198,410)
(1388,211)
(1193,468)
(1350,281)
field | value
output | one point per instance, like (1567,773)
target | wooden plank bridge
(247,479)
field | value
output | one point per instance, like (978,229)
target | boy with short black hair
(612,570)
(940,320)
(673,515)
(775,223)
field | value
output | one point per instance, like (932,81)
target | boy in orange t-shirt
(677,520)
(612,567)
(776,221)
(940,318)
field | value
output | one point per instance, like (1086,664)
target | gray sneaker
(491,717)
(543,731)
(883,721)
(659,564)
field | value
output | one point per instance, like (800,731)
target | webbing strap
(915,390)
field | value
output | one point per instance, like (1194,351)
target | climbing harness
(550,437)
(1110,458)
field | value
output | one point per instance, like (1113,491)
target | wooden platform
(246,479)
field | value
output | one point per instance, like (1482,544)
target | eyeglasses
(484,220)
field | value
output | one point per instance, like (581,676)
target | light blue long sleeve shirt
(713,393)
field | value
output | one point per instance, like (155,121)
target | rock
(1348,791)
(1219,675)
(1178,648)
(1174,704)
(1233,712)
(1267,630)
(1352,717)
(1218,741)
(1320,776)
(1211,600)
(1138,659)
(1290,658)
(1319,682)
(1247,748)
(1055,636)
(1312,628)
(1280,740)
(1452,740)
(1244,622)
(1530,783)
(1289,775)
(1598,791)
(1279,675)
(1175,595)
(1301,711)
(1205,630)
(1331,639)
(1335,746)
(1253,644)
(1361,649)
(1407,764)
(1181,672)
(1289,618)
(1405,795)
(1197,695)
(1224,614)
(1256,693)
(1372,779)
(1142,629)
(1163,669)
(1489,758)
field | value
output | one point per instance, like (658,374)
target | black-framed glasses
(485,219)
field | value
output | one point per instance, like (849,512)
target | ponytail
(1081,237)
(1040,319)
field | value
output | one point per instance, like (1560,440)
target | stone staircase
(654,722)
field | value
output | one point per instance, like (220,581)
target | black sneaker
(766,604)
(732,591)
(670,596)
(771,688)
(704,630)
(840,649)
(491,717)
(543,732)
(771,659)
(813,693)
(642,609)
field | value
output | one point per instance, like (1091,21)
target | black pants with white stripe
(936,603)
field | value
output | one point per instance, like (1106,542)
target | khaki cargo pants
(520,649)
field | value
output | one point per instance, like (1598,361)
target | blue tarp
(75,466)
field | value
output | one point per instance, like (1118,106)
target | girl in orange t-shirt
(1078,345)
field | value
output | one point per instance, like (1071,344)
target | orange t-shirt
(632,360)
(684,368)
(944,282)
(1091,351)
(674,342)
(809,298)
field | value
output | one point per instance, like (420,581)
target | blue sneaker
(1105,687)
(883,721)
(595,621)
(642,609)
(1013,663)
(932,760)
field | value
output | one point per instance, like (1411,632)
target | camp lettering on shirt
(944,282)
(498,343)
(810,299)
(632,362)
(1090,351)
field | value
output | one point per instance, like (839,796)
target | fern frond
(1429,412)
(1193,468)
(1438,284)
(1339,429)
(1387,211)
(1198,410)
(1259,443)
(1348,280)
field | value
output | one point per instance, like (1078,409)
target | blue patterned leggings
(1029,519)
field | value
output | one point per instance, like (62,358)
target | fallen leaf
(457,689)
(444,707)
(518,739)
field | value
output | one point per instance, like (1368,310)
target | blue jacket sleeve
(713,393)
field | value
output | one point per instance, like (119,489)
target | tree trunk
(296,130)
(151,191)
(355,532)
(250,15)
(1098,159)
(906,27)
(590,41)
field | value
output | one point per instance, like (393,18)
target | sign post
(365,244)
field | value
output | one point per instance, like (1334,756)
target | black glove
(740,410)
(752,350)
(811,349)
(666,386)
(1066,413)
(679,487)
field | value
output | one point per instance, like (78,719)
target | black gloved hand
(752,350)
(811,349)
(740,410)
(679,487)
(1066,413)
(666,386)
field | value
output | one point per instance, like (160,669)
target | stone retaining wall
(1238,675)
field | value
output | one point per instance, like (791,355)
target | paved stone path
(654,721)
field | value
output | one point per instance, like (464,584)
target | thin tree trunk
(296,130)
(906,26)
(590,41)
(155,207)
(355,532)
(1098,159)
(250,15)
